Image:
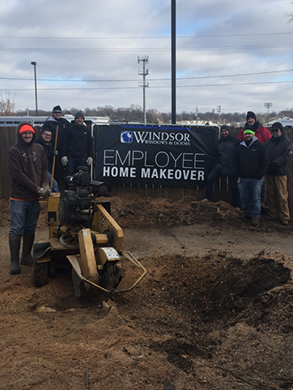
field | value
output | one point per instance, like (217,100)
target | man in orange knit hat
(27,163)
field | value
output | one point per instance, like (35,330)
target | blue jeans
(23,216)
(73,164)
(214,175)
(250,195)
(55,184)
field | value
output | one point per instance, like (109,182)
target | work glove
(41,191)
(47,189)
(64,160)
(89,161)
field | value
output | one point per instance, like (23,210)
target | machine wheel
(110,276)
(41,274)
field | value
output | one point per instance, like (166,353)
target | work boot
(284,222)
(27,244)
(14,245)
(254,222)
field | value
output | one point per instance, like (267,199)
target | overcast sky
(233,54)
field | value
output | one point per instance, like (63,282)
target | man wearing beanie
(261,132)
(56,120)
(263,135)
(51,124)
(252,163)
(225,159)
(27,163)
(279,151)
(77,148)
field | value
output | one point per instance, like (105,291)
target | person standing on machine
(53,122)
(77,146)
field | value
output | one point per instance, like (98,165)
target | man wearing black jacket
(77,146)
(51,124)
(279,151)
(225,158)
(252,163)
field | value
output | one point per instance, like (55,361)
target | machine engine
(75,207)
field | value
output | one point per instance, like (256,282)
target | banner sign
(149,154)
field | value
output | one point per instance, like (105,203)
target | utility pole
(144,72)
(219,112)
(36,95)
(196,111)
(173,59)
(268,106)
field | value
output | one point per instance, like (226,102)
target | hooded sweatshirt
(28,168)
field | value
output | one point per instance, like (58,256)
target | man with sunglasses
(51,124)
(279,151)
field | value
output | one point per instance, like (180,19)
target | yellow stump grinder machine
(82,230)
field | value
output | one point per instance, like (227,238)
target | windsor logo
(126,137)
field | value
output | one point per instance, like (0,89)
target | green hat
(248,130)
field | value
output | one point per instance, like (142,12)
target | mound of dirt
(136,211)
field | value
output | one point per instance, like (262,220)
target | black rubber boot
(14,245)
(27,244)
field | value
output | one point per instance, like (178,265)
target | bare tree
(6,105)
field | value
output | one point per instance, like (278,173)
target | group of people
(254,160)
(36,165)
(67,145)
(36,168)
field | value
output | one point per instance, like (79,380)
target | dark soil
(214,311)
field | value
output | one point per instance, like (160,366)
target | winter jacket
(261,132)
(226,154)
(49,151)
(51,124)
(77,142)
(279,151)
(28,169)
(252,161)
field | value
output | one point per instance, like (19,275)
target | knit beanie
(278,126)
(248,130)
(26,127)
(225,127)
(79,114)
(250,114)
(57,109)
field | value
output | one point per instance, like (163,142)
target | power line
(135,80)
(153,87)
(150,37)
(136,49)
